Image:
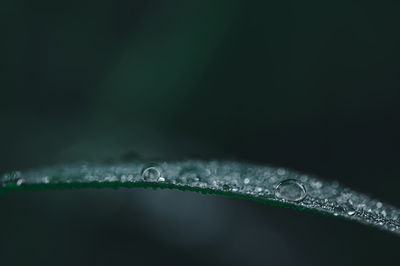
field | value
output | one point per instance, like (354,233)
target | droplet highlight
(20,182)
(290,190)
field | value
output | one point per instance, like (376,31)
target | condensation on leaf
(255,182)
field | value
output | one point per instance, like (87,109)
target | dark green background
(309,85)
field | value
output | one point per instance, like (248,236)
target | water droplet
(110,178)
(281,171)
(316,184)
(351,212)
(379,204)
(246,181)
(291,190)
(130,178)
(190,175)
(12,179)
(304,178)
(152,172)
(272,179)
(338,210)
(213,182)
(20,182)
(161,179)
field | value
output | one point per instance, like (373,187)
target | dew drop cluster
(264,183)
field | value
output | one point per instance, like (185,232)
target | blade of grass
(276,186)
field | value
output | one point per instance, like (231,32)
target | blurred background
(313,86)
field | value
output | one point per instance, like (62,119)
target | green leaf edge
(12,187)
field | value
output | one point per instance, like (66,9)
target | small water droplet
(20,182)
(316,184)
(161,179)
(110,178)
(338,210)
(379,204)
(281,171)
(151,172)
(304,178)
(190,175)
(213,182)
(291,190)
(246,181)
(351,212)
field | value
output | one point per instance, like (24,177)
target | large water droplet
(291,190)
(152,172)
